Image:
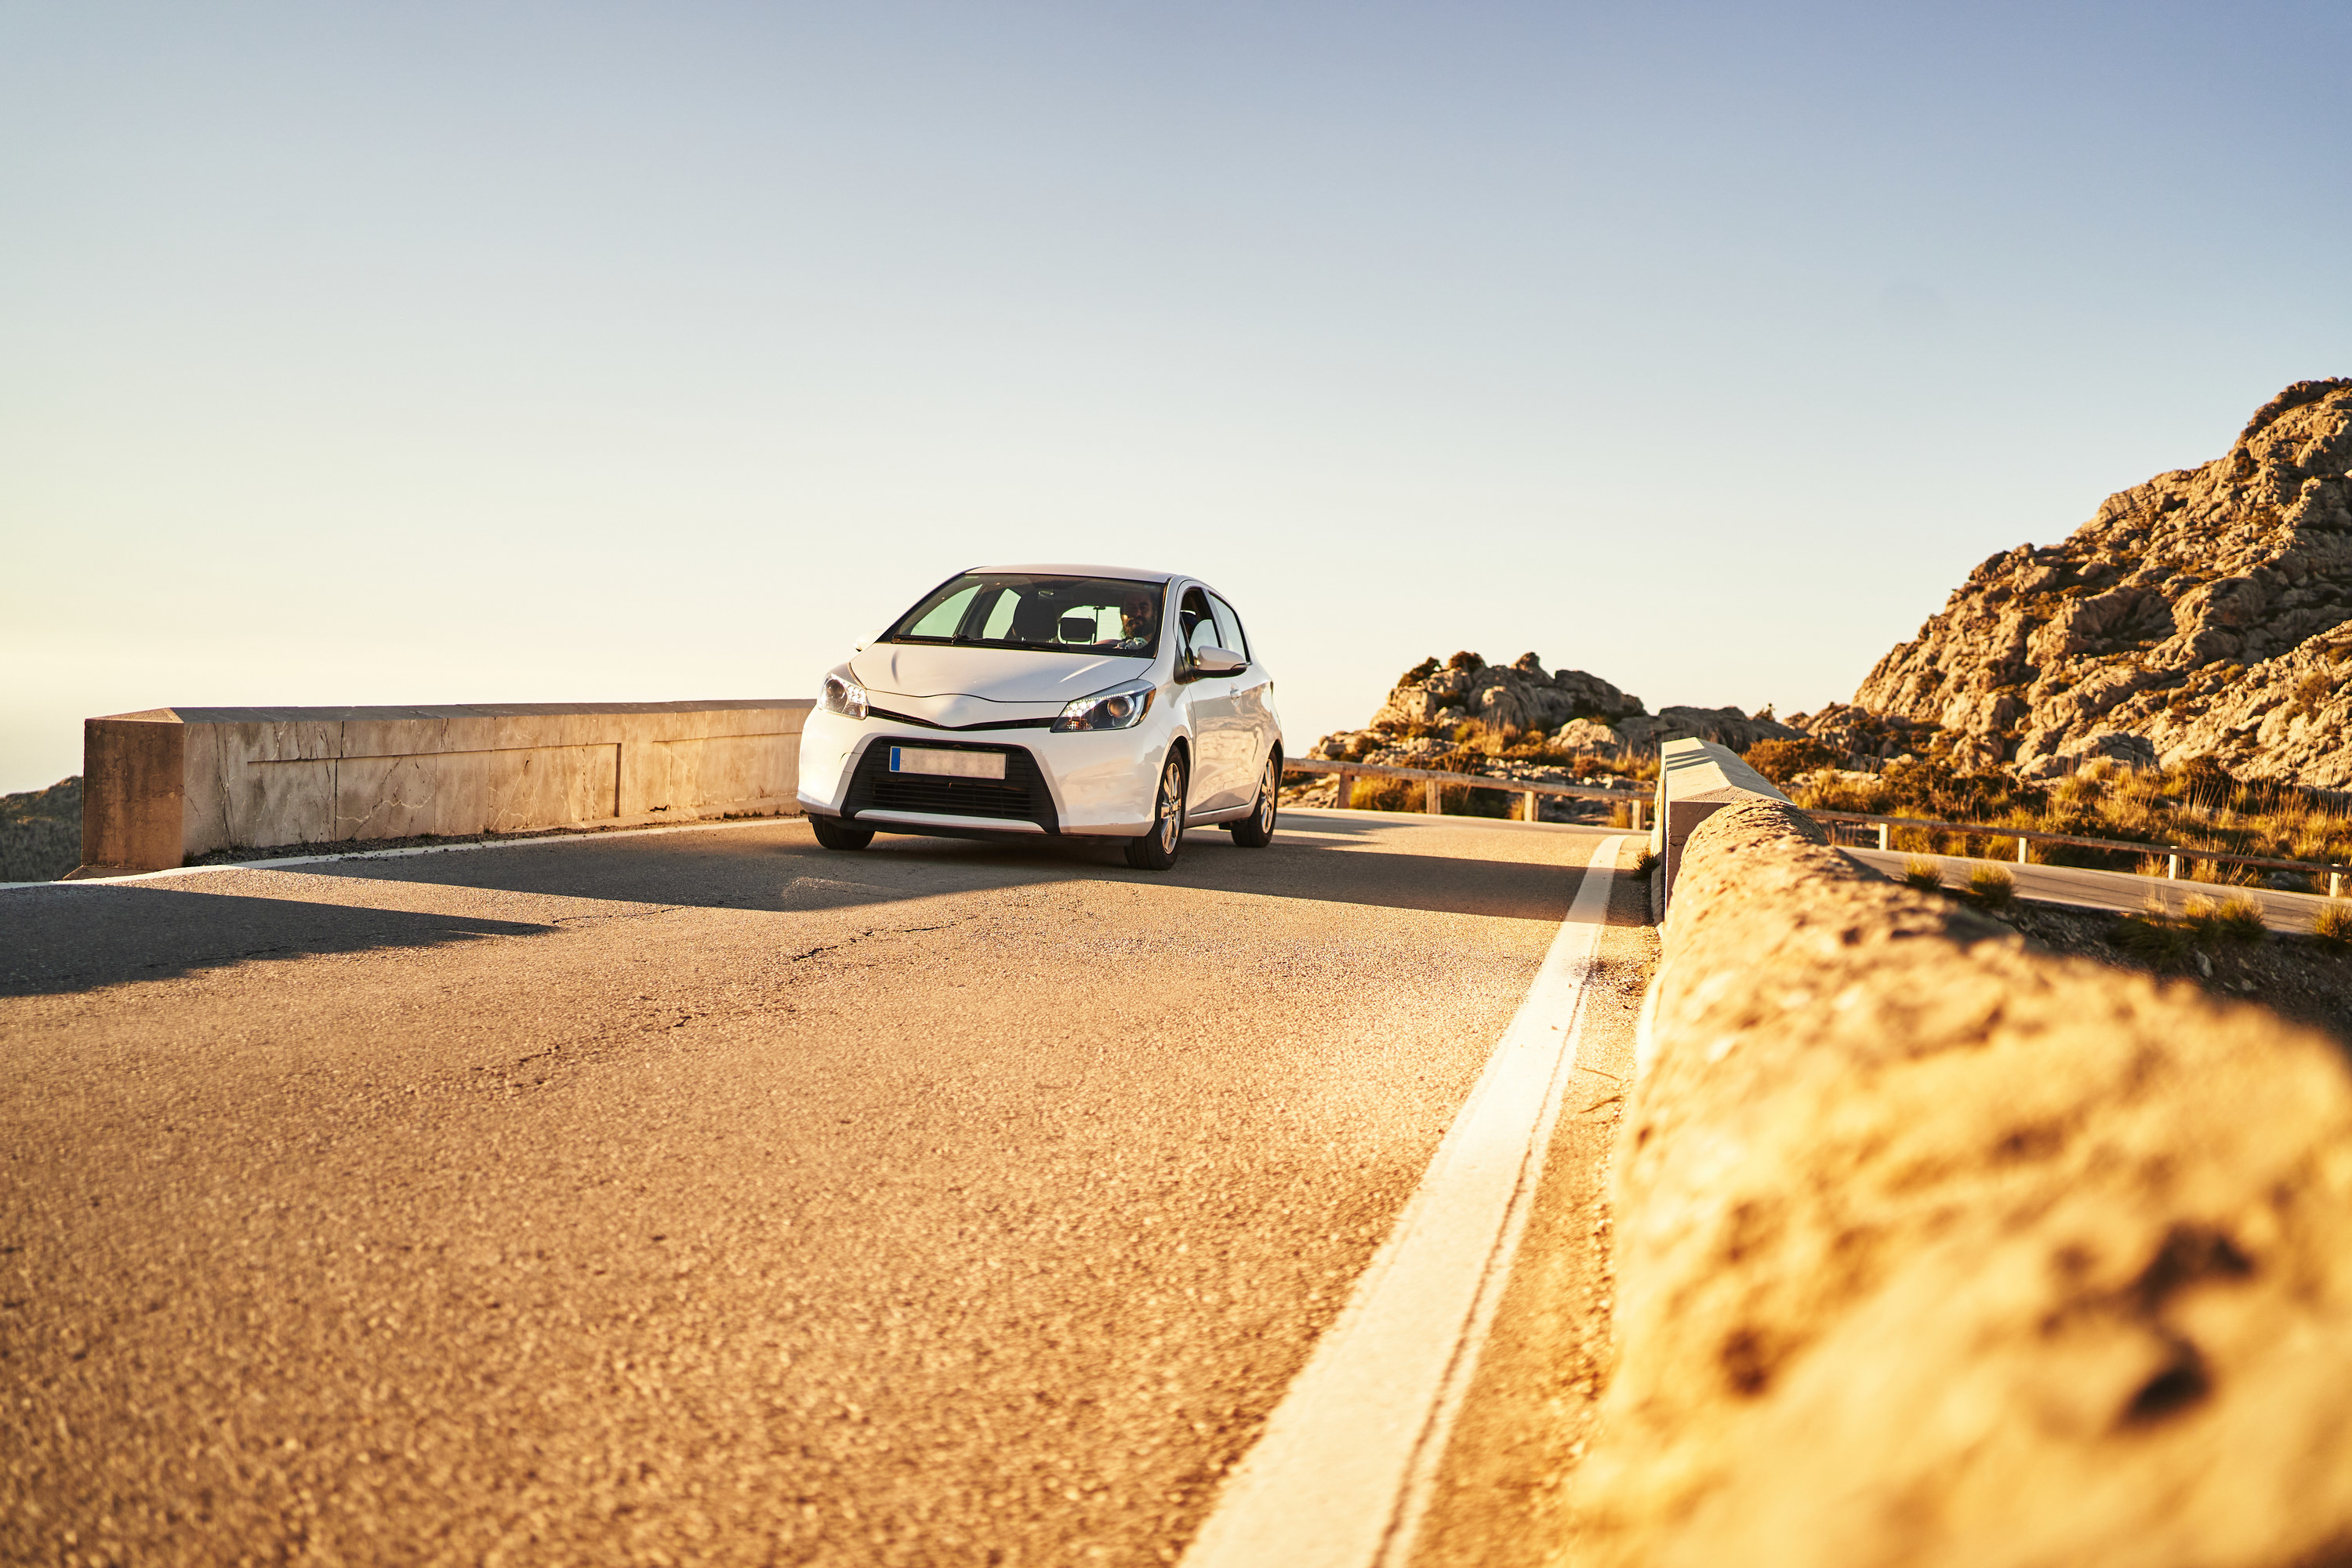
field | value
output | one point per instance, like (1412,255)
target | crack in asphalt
(599,919)
(873,931)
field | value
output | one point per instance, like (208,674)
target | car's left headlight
(1120,708)
(844,696)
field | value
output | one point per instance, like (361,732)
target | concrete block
(170,783)
(134,797)
(1695,780)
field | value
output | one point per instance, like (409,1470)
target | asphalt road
(705,1197)
(2119,890)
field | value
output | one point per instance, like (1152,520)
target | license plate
(947,765)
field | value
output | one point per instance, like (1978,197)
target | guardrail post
(1347,790)
(2336,884)
(2172,867)
(1432,797)
(1529,812)
(1885,836)
(2020,851)
(1635,806)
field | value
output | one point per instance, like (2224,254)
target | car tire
(1256,831)
(1156,850)
(835,834)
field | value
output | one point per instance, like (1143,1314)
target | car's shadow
(78,937)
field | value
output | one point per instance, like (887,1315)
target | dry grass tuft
(1992,886)
(2164,940)
(2234,922)
(2332,926)
(2154,938)
(1922,874)
(2240,922)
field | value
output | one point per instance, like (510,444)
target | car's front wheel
(1256,831)
(835,834)
(1156,850)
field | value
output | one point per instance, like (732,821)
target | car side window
(1197,623)
(1229,627)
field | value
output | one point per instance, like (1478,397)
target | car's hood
(917,679)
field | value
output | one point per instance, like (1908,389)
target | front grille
(1020,797)
(960,729)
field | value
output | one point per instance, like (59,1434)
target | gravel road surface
(707,1197)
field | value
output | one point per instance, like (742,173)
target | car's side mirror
(1219,661)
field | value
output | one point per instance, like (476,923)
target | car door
(1217,728)
(1252,694)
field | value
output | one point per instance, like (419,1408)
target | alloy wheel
(1172,805)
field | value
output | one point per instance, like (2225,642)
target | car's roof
(1064,569)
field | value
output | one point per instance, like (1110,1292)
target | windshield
(1017,609)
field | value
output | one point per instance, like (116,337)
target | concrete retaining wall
(1695,780)
(164,785)
(1933,1250)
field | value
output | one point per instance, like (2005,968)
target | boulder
(1588,735)
(2071,754)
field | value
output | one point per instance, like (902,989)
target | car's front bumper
(1096,784)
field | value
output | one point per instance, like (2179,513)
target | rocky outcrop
(1933,1250)
(40,832)
(2201,613)
(1724,726)
(1858,733)
(1573,710)
(1514,698)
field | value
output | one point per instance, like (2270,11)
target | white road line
(1348,1461)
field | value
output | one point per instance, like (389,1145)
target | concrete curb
(1935,1250)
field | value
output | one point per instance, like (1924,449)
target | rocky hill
(2205,613)
(40,832)
(1569,709)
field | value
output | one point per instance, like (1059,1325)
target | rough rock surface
(1518,696)
(1724,726)
(40,832)
(1575,710)
(2201,613)
(1859,732)
(1934,1250)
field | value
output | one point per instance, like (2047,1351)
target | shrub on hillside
(40,832)
(1781,761)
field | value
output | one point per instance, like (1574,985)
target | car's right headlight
(1120,708)
(844,696)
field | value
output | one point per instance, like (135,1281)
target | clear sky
(506,352)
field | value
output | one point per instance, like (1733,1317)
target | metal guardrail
(1435,779)
(2175,854)
(1638,797)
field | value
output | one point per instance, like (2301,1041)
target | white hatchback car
(1074,701)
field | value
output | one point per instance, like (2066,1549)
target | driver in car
(1137,613)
